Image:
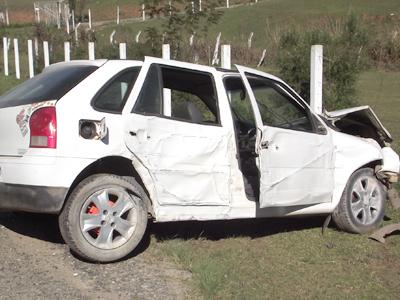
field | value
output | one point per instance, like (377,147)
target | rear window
(52,84)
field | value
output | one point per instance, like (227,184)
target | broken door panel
(187,153)
(295,163)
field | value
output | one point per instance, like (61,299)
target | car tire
(104,218)
(362,206)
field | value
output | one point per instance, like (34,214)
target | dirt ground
(36,264)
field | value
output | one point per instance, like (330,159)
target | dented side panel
(351,154)
(296,169)
(188,162)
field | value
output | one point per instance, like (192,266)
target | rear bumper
(29,198)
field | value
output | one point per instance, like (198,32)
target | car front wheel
(104,218)
(362,206)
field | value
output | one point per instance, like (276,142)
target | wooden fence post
(316,78)
(5,56)
(30,59)
(16,56)
(46,54)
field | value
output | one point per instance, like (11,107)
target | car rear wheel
(362,206)
(104,218)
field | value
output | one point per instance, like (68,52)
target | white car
(108,144)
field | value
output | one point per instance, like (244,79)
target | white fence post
(143,12)
(249,41)
(73,19)
(262,59)
(30,59)
(46,54)
(7,18)
(166,54)
(112,36)
(138,36)
(67,16)
(36,48)
(122,50)
(226,56)
(200,8)
(77,31)
(316,78)
(5,55)
(90,18)
(215,59)
(118,15)
(58,14)
(16,56)
(67,51)
(91,51)
(227,3)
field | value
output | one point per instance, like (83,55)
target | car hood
(361,116)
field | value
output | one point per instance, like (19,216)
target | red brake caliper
(93,210)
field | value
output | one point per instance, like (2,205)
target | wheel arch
(343,177)
(116,165)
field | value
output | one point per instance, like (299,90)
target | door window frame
(162,115)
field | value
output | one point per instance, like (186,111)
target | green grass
(285,258)
(381,90)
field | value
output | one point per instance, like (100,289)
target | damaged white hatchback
(108,144)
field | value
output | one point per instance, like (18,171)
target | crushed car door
(184,146)
(295,151)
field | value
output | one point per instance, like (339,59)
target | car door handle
(265,144)
(133,133)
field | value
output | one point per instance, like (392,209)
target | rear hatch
(17,105)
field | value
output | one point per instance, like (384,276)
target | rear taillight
(43,126)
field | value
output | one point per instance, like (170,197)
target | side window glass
(113,96)
(240,103)
(193,96)
(150,97)
(276,108)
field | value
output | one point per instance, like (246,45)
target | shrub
(343,61)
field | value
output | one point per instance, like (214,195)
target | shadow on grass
(45,227)
(216,230)
(42,227)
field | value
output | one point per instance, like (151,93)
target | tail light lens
(43,128)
